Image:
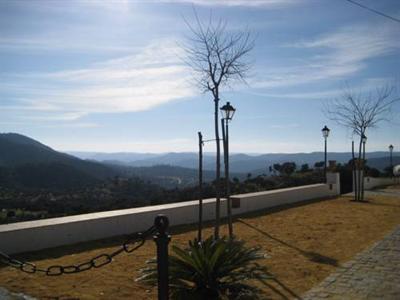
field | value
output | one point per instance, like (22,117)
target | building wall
(42,234)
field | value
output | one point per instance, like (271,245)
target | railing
(134,242)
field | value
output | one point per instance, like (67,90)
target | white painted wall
(372,182)
(42,234)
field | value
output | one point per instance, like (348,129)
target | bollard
(162,239)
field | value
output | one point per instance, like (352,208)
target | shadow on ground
(116,242)
(312,256)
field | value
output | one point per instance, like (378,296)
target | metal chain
(134,242)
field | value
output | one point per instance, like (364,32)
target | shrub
(213,269)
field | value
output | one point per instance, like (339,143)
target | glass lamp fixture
(325,131)
(227,111)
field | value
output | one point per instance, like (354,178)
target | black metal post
(162,239)
(391,162)
(228,187)
(200,228)
(225,135)
(325,160)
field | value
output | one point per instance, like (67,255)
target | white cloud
(336,55)
(159,146)
(61,44)
(318,94)
(284,126)
(251,3)
(149,78)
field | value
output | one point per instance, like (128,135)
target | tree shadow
(283,207)
(312,256)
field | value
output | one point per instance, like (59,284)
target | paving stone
(372,274)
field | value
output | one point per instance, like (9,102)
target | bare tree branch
(362,111)
(217,57)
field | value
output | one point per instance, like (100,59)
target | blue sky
(108,75)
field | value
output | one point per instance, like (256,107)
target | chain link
(134,242)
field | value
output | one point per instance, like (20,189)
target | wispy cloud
(60,45)
(284,126)
(159,146)
(320,94)
(249,3)
(337,55)
(146,79)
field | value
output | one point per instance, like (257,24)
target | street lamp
(391,157)
(227,112)
(325,134)
(363,141)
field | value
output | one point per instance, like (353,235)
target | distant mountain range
(25,162)
(239,163)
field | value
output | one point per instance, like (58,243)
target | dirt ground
(304,243)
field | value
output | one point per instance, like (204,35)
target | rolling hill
(28,163)
(239,163)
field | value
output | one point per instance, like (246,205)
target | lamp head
(363,139)
(325,131)
(227,111)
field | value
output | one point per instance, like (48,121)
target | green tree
(305,168)
(319,164)
(288,168)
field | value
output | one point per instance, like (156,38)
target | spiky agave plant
(212,269)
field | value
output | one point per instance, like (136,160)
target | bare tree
(217,57)
(360,112)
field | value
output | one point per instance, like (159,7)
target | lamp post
(391,155)
(325,134)
(391,158)
(200,225)
(227,112)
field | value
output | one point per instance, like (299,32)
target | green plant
(212,269)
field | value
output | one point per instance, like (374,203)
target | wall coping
(96,215)
(277,191)
(129,211)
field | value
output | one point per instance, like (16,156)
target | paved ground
(372,274)
(6,295)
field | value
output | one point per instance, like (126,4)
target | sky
(109,76)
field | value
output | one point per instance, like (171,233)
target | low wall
(41,234)
(372,182)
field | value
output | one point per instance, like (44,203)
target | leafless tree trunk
(359,171)
(363,173)
(354,170)
(360,112)
(217,57)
